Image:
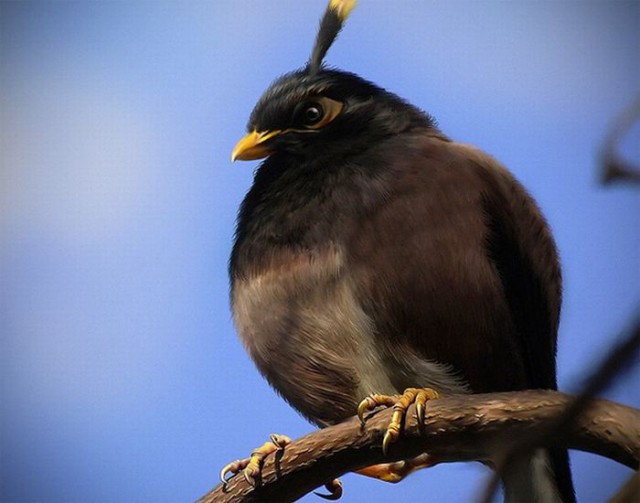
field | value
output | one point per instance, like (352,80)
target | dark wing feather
(520,245)
(458,266)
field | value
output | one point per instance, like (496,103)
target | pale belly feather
(310,337)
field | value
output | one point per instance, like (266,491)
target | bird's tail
(560,466)
(541,477)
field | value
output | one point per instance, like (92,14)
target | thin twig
(614,167)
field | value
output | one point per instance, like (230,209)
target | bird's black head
(306,111)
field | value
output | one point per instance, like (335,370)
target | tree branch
(614,167)
(456,428)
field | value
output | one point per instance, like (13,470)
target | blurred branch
(456,428)
(622,357)
(614,167)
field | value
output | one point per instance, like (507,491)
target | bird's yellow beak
(253,146)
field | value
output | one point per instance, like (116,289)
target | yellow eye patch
(330,110)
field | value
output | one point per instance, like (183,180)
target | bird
(375,258)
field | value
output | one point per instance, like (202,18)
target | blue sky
(121,376)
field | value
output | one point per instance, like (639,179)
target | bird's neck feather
(301,207)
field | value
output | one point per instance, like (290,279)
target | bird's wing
(520,245)
(457,265)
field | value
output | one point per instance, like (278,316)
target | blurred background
(122,378)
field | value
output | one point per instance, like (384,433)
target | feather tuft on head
(330,25)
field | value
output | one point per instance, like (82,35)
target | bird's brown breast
(403,294)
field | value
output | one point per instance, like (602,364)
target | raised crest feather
(330,25)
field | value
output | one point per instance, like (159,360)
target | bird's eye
(315,113)
(312,114)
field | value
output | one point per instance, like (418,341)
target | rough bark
(456,428)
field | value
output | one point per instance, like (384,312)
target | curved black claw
(335,490)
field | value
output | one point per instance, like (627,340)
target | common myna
(375,257)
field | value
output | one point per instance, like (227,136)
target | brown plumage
(374,254)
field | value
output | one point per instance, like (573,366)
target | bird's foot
(400,404)
(251,467)
(395,472)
